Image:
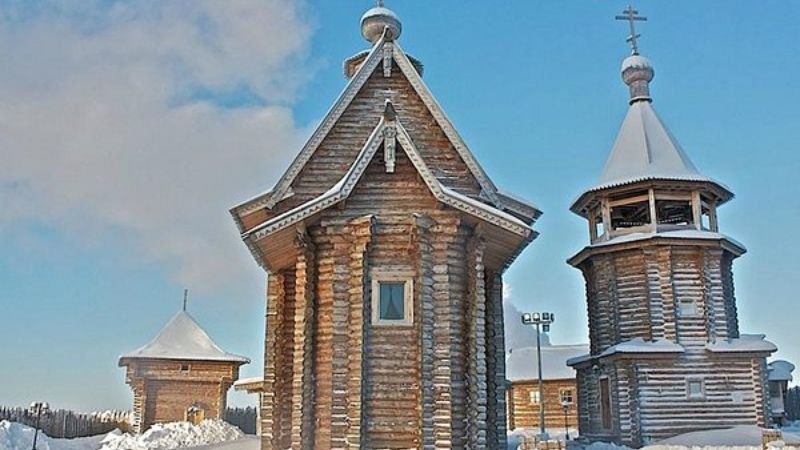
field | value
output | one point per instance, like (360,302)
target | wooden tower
(180,375)
(384,244)
(666,356)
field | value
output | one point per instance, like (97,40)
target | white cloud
(100,130)
(517,335)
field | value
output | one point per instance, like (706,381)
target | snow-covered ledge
(744,343)
(636,345)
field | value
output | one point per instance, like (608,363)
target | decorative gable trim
(382,53)
(345,186)
(269,199)
(489,189)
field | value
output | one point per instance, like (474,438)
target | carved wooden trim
(347,183)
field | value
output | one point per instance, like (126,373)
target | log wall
(639,292)
(522,413)
(428,384)
(162,392)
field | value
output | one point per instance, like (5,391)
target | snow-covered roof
(645,149)
(780,370)
(744,343)
(522,363)
(672,234)
(736,246)
(183,338)
(635,345)
(251,385)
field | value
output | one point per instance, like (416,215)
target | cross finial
(630,15)
(185,298)
(380,3)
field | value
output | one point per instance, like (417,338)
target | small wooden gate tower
(384,244)
(666,356)
(180,375)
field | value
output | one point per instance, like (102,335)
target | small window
(392,299)
(566,396)
(184,368)
(695,388)
(687,308)
(534,396)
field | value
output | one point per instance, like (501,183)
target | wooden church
(384,244)
(180,375)
(666,356)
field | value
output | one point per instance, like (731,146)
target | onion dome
(377,19)
(637,72)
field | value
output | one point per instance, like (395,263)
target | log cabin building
(559,386)
(666,355)
(779,376)
(384,245)
(180,375)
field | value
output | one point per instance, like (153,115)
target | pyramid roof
(183,338)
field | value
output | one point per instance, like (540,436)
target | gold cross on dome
(630,15)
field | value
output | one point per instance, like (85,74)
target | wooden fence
(244,418)
(62,423)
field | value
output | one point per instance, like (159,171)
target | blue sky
(128,128)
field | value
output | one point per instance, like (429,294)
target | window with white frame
(534,397)
(566,396)
(687,308)
(392,298)
(695,388)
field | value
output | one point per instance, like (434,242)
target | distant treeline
(792,404)
(62,423)
(244,418)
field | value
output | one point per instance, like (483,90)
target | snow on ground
(16,436)
(515,437)
(245,443)
(744,436)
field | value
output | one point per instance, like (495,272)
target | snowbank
(741,437)
(16,436)
(173,435)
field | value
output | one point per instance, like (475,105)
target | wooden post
(653,212)
(607,229)
(697,210)
(712,216)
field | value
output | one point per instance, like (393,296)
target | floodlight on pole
(542,322)
(38,408)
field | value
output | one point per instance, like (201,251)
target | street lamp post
(38,408)
(565,405)
(542,322)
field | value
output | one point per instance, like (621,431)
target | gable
(340,147)
(325,155)
(511,234)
